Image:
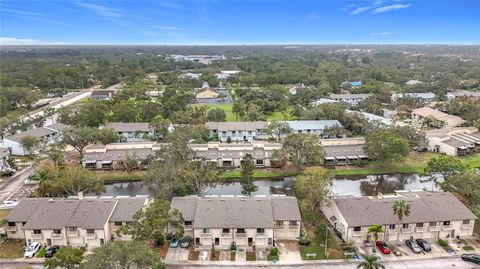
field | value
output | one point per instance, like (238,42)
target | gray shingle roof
(312,124)
(92,214)
(424,207)
(38,132)
(129,126)
(236,212)
(236,126)
(89,213)
(343,150)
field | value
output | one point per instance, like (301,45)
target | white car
(32,249)
(9,204)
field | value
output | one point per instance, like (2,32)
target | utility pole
(326,237)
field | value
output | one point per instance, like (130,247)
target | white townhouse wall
(246,221)
(82,222)
(314,127)
(352,99)
(49,134)
(132,131)
(433,215)
(454,141)
(238,131)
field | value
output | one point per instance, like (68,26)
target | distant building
(132,131)
(322,101)
(206,92)
(247,222)
(224,74)
(420,114)
(315,127)
(105,94)
(352,99)
(433,215)
(80,222)
(468,94)
(413,82)
(454,141)
(49,134)
(424,96)
(238,131)
(293,90)
(191,75)
(204,59)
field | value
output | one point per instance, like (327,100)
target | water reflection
(354,185)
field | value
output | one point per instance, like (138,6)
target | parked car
(51,251)
(8,204)
(420,149)
(31,250)
(423,244)
(174,243)
(413,246)
(185,242)
(475,258)
(383,247)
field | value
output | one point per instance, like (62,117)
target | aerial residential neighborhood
(239,134)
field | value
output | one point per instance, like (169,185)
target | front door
(250,241)
(49,242)
(452,234)
(217,241)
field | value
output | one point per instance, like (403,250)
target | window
(187,223)
(279,223)
(90,231)
(420,224)
(260,230)
(57,231)
(118,223)
(259,162)
(225,231)
(240,231)
(72,229)
(433,223)
(446,223)
(11,224)
(37,231)
(357,229)
(405,226)
(293,223)
(206,230)
(391,226)
(466,221)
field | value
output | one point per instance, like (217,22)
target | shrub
(233,247)
(442,243)
(468,248)
(273,251)
(229,140)
(304,239)
(169,236)
(159,240)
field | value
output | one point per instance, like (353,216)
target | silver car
(413,246)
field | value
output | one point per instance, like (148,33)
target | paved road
(436,263)
(67,100)
(12,187)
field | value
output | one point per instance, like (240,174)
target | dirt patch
(193,255)
(215,255)
(251,256)
(12,248)
(232,256)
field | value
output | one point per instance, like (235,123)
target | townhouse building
(48,134)
(454,141)
(349,98)
(244,221)
(75,221)
(433,215)
(132,131)
(442,119)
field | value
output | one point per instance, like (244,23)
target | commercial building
(221,221)
(48,134)
(433,215)
(454,141)
(81,222)
(443,119)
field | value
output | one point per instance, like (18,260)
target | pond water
(354,185)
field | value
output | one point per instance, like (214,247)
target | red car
(383,247)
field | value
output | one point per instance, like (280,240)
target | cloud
(360,10)
(12,41)
(390,8)
(102,10)
(381,33)
(314,16)
(347,7)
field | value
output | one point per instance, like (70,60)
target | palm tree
(375,230)
(370,262)
(401,209)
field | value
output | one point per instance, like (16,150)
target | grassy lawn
(3,214)
(120,176)
(277,115)
(12,248)
(414,163)
(250,256)
(41,253)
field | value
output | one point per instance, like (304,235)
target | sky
(203,22)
